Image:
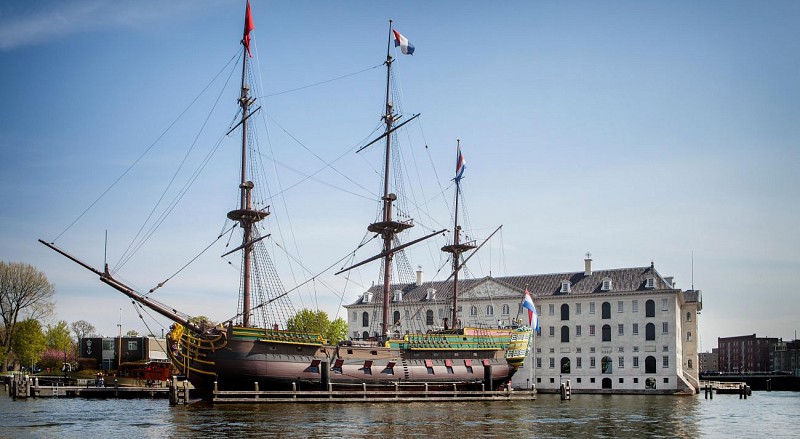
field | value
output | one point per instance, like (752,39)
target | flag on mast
(533,318)
(405,46)
(248,26)
(461,165)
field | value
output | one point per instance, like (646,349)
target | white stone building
(626,330)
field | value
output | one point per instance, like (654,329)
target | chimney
(587,263)
(419,275)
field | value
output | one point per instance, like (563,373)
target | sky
(637,131)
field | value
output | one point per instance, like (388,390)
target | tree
(24,293)
(58,337)
(29,342)
(318,322)
(132,333)
(82,329)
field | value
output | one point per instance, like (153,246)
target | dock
(22,386)
(360,393)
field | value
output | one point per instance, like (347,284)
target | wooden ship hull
(238,358)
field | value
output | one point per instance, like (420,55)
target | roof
(539,285)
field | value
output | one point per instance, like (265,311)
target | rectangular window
(578,308)
(441,313)
(355,316)
(621,329)
(620,306)
(665,327)
(591,329)
(635,306)
(578,362)
(591,349)
(664,304)
(552,363)
(636,349)
(635,361)
(551,309)
(591,307)
(635,329)
(665,361)
(539,362)
(621,362)
(665,348)
(621,349)
(592,363)
(552,331)
(577,330)
(578,350)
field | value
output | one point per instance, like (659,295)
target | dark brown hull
(234,363)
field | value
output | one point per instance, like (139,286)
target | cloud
(22,26)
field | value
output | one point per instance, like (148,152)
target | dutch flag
(533,318)
(406,47)
(461,165)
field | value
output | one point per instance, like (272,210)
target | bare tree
(24,292)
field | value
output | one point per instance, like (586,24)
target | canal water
(773,414)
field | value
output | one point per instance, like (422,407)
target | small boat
(256,349)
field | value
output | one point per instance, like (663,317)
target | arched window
(473,310)
(565,334)
(689,336)
(365,319)
(650,364)
(688,316)
(606,383)
(650,332)
(365,335)
(506,310)
(606,332)
(396,317)
(565,312)
(489,310)
(650,308)
(606,310)
(429,317)
(565,366)
(606,364)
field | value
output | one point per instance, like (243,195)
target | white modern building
(625,330)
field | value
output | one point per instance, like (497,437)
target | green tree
(25,293)
(318,322)
(132,333)
(29,342)
(58,337)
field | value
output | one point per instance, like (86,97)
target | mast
(388,228)
(246,216)
(457,247)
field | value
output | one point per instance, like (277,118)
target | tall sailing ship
(255,349)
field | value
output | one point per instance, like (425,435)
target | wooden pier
(361,393)
(22,386)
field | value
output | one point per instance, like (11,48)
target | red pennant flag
(248,26)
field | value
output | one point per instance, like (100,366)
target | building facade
(746,353)
(625,330)
(709,361)
(786,357)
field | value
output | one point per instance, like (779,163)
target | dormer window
(431,295)
(650,282)
(566,286)
(398,296)
(367,297)
(606,284)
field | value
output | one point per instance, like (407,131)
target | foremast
(457,247)
(245,215)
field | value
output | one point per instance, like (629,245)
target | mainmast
(388,228)
(246,216)
(457,247)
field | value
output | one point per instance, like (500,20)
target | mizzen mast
(246,216)
(457,247)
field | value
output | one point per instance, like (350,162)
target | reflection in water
(584,416)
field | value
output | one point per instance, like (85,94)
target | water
(771,414)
